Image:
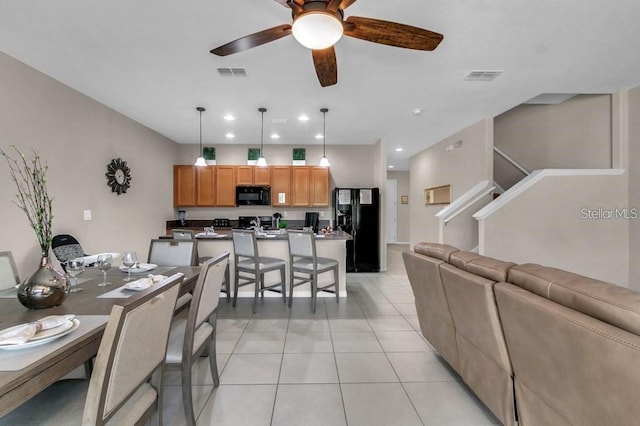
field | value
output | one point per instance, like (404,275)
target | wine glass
(104,264)
(129,259)
(74,268)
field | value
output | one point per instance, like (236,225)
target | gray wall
(575,134)
(462,168)
(78,137)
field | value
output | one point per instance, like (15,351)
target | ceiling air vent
(232,72)
(481,75)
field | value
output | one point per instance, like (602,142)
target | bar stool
(304,261)
(251,267)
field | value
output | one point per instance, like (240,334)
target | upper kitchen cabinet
(252,175)
(319,185)
(280,186)
(310,186)
(225,186)
(206,186)
(193,186)
(300,188)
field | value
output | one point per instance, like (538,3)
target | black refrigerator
(357,212)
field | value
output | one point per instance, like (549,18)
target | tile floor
(360,362)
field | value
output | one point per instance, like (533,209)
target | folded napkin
(157,278)
(22,333)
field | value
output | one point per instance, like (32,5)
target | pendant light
(324,161)
(262,162)
(200,160)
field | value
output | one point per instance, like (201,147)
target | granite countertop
(225,234)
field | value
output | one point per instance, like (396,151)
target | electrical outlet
(321,213)
(87,215)
(285,214)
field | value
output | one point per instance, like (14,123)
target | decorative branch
(29,175)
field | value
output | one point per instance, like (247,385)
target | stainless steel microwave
(253,195)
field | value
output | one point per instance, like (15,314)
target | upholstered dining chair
(305,266)
(172,252)
(8,271)
(126,384)
(187,234)
(190,337)
(250,267)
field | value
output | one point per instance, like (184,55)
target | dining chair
(127,381)
(190,337)
(65,247)
(305,266)
(172,252)
(250,267)
(8,271)
(187,234)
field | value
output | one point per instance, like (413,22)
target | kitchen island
(275,244)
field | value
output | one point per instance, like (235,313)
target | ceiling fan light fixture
(317,29)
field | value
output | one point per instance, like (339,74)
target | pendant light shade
(200,160)
(324,161)
(262,162)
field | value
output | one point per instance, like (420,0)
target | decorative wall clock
(118,176)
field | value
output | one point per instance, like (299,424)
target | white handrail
(460,204)
(532,179)
(513,162)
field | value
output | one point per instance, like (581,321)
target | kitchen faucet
(256,224)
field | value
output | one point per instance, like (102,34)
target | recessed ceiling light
(390,167)
(417,111)
(303,118)
(399,149)
(275,136)
(319,136)
(229,135)
(229,117)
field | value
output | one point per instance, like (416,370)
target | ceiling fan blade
(326,66)
(253,40)
(346,3)
(392,33)
(285,3)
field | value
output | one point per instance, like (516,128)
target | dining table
(24,372)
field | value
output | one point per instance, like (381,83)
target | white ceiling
(150,60)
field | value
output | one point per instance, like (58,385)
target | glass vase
(45,288)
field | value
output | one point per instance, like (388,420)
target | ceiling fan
(319,24)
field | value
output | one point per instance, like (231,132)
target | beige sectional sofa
(538,345)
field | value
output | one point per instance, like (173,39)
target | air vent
(481,75)
(279,121)
(232,72)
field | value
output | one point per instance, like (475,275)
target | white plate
(46,336)
(139,268)
(207,235)
(137,285)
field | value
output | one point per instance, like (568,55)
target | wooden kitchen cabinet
(184,186)
(206,186)
(300,187)
(262,176)
(319,185)
(225,186)
(252,175)
(280,184)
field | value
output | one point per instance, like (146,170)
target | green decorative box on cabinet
(299,156)
(209,154)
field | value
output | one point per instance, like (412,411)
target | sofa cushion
(610,303)
(439,251)
(487,267)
